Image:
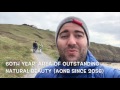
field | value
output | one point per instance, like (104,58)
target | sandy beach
(114,65)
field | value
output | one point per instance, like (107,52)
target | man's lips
(71,51)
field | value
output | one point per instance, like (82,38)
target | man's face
(72,43)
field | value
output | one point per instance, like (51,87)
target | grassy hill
(16,44)
(105,53)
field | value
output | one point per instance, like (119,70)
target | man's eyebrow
(77,31)
(65,31)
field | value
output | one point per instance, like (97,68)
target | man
(35,46)
(76,61)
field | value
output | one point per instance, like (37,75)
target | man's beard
(80,58)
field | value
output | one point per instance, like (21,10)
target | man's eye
(78,36)
(64,36)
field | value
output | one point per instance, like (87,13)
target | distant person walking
(35,46)
(40,46)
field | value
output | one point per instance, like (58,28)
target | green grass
(11,51)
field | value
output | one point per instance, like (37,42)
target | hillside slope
(105,53)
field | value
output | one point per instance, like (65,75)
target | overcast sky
(104,27)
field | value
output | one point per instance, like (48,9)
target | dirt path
(39,59)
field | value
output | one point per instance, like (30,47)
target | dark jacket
(101,71)
(35,45)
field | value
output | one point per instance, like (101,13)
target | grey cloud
(108,28)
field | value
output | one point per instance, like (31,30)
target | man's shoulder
(49,67)
(108,72)
(47,72)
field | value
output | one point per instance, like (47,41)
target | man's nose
(71,40)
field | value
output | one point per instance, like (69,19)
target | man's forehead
(71,27)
